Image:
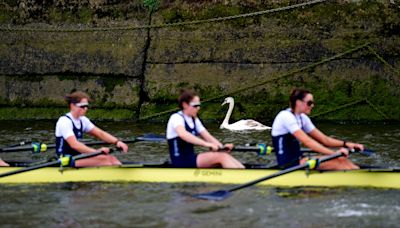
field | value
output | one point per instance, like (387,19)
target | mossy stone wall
(141,71)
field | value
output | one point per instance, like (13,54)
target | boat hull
(377,178)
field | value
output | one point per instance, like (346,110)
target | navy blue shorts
(185,162)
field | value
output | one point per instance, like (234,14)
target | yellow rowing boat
(372,177)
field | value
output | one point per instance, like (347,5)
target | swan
(241,125)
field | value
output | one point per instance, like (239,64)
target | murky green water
(167,205)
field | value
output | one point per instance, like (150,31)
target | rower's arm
(107,137)
(332,142)
(185,135)
(311,143)
(209,138)
(79,146)
(324,139)
(103,135)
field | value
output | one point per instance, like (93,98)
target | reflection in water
(168,205)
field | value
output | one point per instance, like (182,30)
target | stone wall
(136,72)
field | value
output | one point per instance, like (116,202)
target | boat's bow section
(379,178)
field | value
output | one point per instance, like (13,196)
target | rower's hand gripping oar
(63,161)
(225,193)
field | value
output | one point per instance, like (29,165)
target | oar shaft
(29,168)
(77,157)
(22,143)
(246,149)
(261,149)
(15,149)
(151,138)
(285,171)
(48,146)
(264,150)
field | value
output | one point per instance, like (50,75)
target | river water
(167,205)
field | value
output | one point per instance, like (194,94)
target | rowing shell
(373,177)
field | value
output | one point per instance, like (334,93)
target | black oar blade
(215,195)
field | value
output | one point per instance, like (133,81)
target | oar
(262,149)
(225,193)
(37,147)
(365,152)
(22,143)
(64,161)
(150,138)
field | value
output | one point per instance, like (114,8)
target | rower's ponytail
(297,94)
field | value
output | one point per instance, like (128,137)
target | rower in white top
(241,125)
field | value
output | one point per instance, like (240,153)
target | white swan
(241,125)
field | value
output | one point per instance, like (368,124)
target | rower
(184,130)
(71,127)
(293,126)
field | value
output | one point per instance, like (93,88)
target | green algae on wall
(216,59)
(105,91)
(51,113)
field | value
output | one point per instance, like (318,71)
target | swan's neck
(228,114)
